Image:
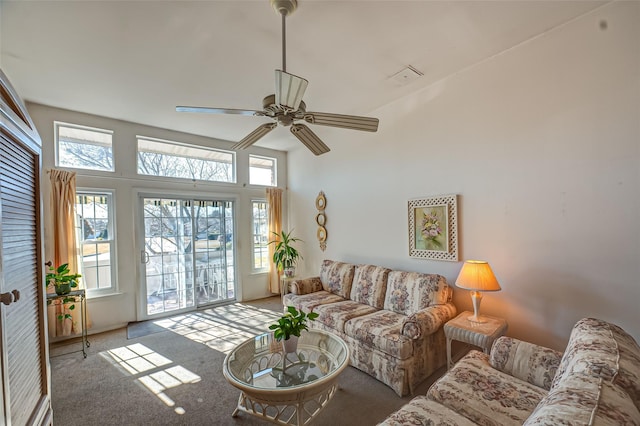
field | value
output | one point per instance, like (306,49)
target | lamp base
(476,319)
(476,298)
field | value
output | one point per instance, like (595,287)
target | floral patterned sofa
(595,382)
(391,320)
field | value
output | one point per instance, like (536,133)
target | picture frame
(433,227)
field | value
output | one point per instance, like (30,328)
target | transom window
(83,147)
(177,160)
(262,170)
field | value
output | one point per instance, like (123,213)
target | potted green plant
(285,256)
(63,282)
(289,327)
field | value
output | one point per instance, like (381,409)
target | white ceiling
(137,60)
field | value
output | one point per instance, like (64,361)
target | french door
(187,254)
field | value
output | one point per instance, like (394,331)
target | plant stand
(81,298)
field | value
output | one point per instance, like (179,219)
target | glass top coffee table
(287,390)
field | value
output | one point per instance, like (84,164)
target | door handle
(144,257)
(10,297)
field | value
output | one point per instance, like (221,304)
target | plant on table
(63,282)
(292,323)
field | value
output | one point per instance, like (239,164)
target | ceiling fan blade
(309,139)
(353,122)
(219,110)
(253,137)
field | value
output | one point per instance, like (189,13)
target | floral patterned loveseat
(391,320)
(595,382)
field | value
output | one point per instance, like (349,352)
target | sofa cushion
(409,292)
(422,411)
(628,376)
(370,285)
(485,395)
(381,330)
(526,361)
(604,350)
(591,350)
(337,277)
(335,315)
(308,302)
(582,399)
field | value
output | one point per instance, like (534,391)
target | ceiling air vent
(406,75)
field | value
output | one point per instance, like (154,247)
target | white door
(187,253)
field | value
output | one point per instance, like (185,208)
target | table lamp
(477,276)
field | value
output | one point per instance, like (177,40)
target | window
(83,147)
(94,215)
(176,160)
(260,236)
(262,170)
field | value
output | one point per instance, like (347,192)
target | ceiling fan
(286,106)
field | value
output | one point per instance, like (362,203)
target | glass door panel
(213,251)
(188,253)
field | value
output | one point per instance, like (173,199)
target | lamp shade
(476,275)
(289,90)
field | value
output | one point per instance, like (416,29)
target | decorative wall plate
(321,234)
(321,220)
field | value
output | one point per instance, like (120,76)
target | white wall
(116,310)
(542,145)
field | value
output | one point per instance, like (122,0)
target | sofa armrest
(305,286)
(529,362)
(427,321)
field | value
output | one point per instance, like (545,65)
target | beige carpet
(174,377)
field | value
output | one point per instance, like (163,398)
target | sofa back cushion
(337,277)
(628,376)
(409,292)
(602,350)
(581,399)
(590,350)
(370,285)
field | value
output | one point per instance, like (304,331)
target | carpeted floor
(174,376)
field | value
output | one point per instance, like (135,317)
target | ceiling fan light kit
(289,90)
(286,106)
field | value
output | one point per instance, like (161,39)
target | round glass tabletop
(259,363)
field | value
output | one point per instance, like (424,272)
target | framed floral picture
(433,227)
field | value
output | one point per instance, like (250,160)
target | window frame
(234,167)
(111,230)
(254,268)
(274,170)
(56,135)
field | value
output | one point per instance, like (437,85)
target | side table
(478,334)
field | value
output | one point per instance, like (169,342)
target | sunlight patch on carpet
(221,328)
(137,359)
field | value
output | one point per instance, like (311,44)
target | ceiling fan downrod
(284,8)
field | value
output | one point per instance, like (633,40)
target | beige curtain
(274,202)
(65,248)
